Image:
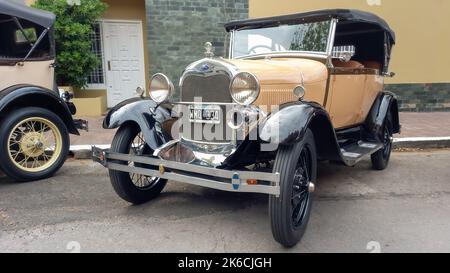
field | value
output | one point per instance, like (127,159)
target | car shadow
(5,180)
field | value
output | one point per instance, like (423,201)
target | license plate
(204,113)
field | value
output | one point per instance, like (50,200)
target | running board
(352,154)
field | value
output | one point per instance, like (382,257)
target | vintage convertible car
(36,118)
(294,90)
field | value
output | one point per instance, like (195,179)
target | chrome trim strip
(271,190)
(244,175)
(231,45)
(287,54)
(331,37)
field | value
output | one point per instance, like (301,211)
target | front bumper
(225,180)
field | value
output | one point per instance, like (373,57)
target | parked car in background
(295,89)
(35,119)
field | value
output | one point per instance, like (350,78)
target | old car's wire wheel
(387,142)
(139,147)
(290,211)
(380,159)
(132,187)
(34,144)
(300,189)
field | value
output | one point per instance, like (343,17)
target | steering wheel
(254,50)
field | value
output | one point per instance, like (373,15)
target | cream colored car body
(346,92)
(38,73)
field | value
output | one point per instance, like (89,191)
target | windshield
(309,37)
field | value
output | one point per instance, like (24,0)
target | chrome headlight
(244,88)
(161,88)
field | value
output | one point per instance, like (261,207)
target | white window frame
(100,86)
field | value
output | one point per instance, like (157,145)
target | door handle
(109,65)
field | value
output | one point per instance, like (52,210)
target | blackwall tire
(124,183)
(380,159)
(285,229)
(33,125)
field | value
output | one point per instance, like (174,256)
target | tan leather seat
(373,65)
(349,64)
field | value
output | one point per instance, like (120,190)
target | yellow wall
(422,52)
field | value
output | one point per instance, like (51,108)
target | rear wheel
(290,212)
(35,143)
(380,159)
(134,188)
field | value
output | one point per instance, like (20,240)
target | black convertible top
(40,17)
(312,16)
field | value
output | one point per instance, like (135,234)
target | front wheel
(133,188)
(35,144)
(289,213)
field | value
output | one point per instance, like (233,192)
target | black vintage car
(35,118)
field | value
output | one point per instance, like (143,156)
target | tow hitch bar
(82,124)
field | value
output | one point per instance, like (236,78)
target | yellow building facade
(421,54)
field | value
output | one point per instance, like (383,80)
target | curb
(84,151)
(422,142)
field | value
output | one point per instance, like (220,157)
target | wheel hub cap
(32,144)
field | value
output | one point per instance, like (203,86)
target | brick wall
(422,97)
(178,29)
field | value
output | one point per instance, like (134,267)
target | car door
(345,96)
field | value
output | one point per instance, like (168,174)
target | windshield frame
(325,55)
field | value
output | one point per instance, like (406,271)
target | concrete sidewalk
(419,130)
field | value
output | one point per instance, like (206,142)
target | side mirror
(344,53)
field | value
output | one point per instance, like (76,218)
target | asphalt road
(403,209)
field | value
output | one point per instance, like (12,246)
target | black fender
(289,125)
(18,96)
(144,112)
(385,103)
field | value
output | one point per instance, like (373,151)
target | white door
(124,59)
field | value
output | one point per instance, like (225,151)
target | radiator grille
(213,88)
(210,89)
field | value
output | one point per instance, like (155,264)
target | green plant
(73,27)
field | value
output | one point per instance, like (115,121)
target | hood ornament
(209,53)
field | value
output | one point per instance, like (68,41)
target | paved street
(406,209)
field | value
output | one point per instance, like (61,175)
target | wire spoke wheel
(34,144)
(290,211)
(387,142)
(300,191)
(139,147)
(132,187)
(380,159)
